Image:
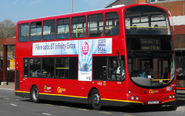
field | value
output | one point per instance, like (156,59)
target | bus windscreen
(149,47)
(146,20)
(151,69)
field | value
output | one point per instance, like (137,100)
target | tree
(7,30)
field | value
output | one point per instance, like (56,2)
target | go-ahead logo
(60,90)
(152,91)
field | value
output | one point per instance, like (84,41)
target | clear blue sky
(17,10)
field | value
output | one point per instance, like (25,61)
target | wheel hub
(96,99)
(35,94)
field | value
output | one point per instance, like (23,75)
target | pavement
(180,96)
(10,86)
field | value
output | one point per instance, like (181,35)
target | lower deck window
(108,68)
(48,67)
(104,68)
(35,67)
(61,67)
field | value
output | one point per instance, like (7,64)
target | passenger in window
(82,35)
(48,74)
(116,29)
(134,30)
(116,74)
(157,31)
(32,73)
(121,75)
(115,69)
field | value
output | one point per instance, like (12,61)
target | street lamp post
(71,6)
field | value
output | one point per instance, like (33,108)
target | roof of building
(118,2)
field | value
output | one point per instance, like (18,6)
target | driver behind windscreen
(116,75)
(148,71)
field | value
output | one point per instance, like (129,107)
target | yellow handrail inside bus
(110,27)
(52,33)
(148,27)
(79,30)
(161,79)
(62,67)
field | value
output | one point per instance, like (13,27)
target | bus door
(112,87)
(163,71)
(24,75)
(21,76)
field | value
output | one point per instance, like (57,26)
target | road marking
(126,115)
(13,104)
(3,96)
(106,112)
(6,98)
(64,107)
(47,114)
(6,89)
(49,104)
(18,99)
(83,109)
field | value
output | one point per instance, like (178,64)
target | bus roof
(90,11)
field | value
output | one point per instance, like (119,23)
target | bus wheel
(95,99)
(35,94)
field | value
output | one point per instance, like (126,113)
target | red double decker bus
(115,56)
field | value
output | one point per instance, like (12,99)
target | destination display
(150,44)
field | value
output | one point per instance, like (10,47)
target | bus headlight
(129,91)
(132,97)
(137,98)
(173,96)
(170,96)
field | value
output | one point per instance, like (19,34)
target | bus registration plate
(153,102)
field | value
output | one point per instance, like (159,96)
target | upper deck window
(35,34)
(78,27)
(63,28)
(112,24)
(95,25)
(23,32)
(146,20)
(49,30)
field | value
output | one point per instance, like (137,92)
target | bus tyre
(95,100)
(35,94)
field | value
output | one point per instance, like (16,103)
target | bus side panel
(59,89)
(112,90)
(22,49)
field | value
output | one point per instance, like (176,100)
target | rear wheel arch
(32,87)
(94,90)
(90,91)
